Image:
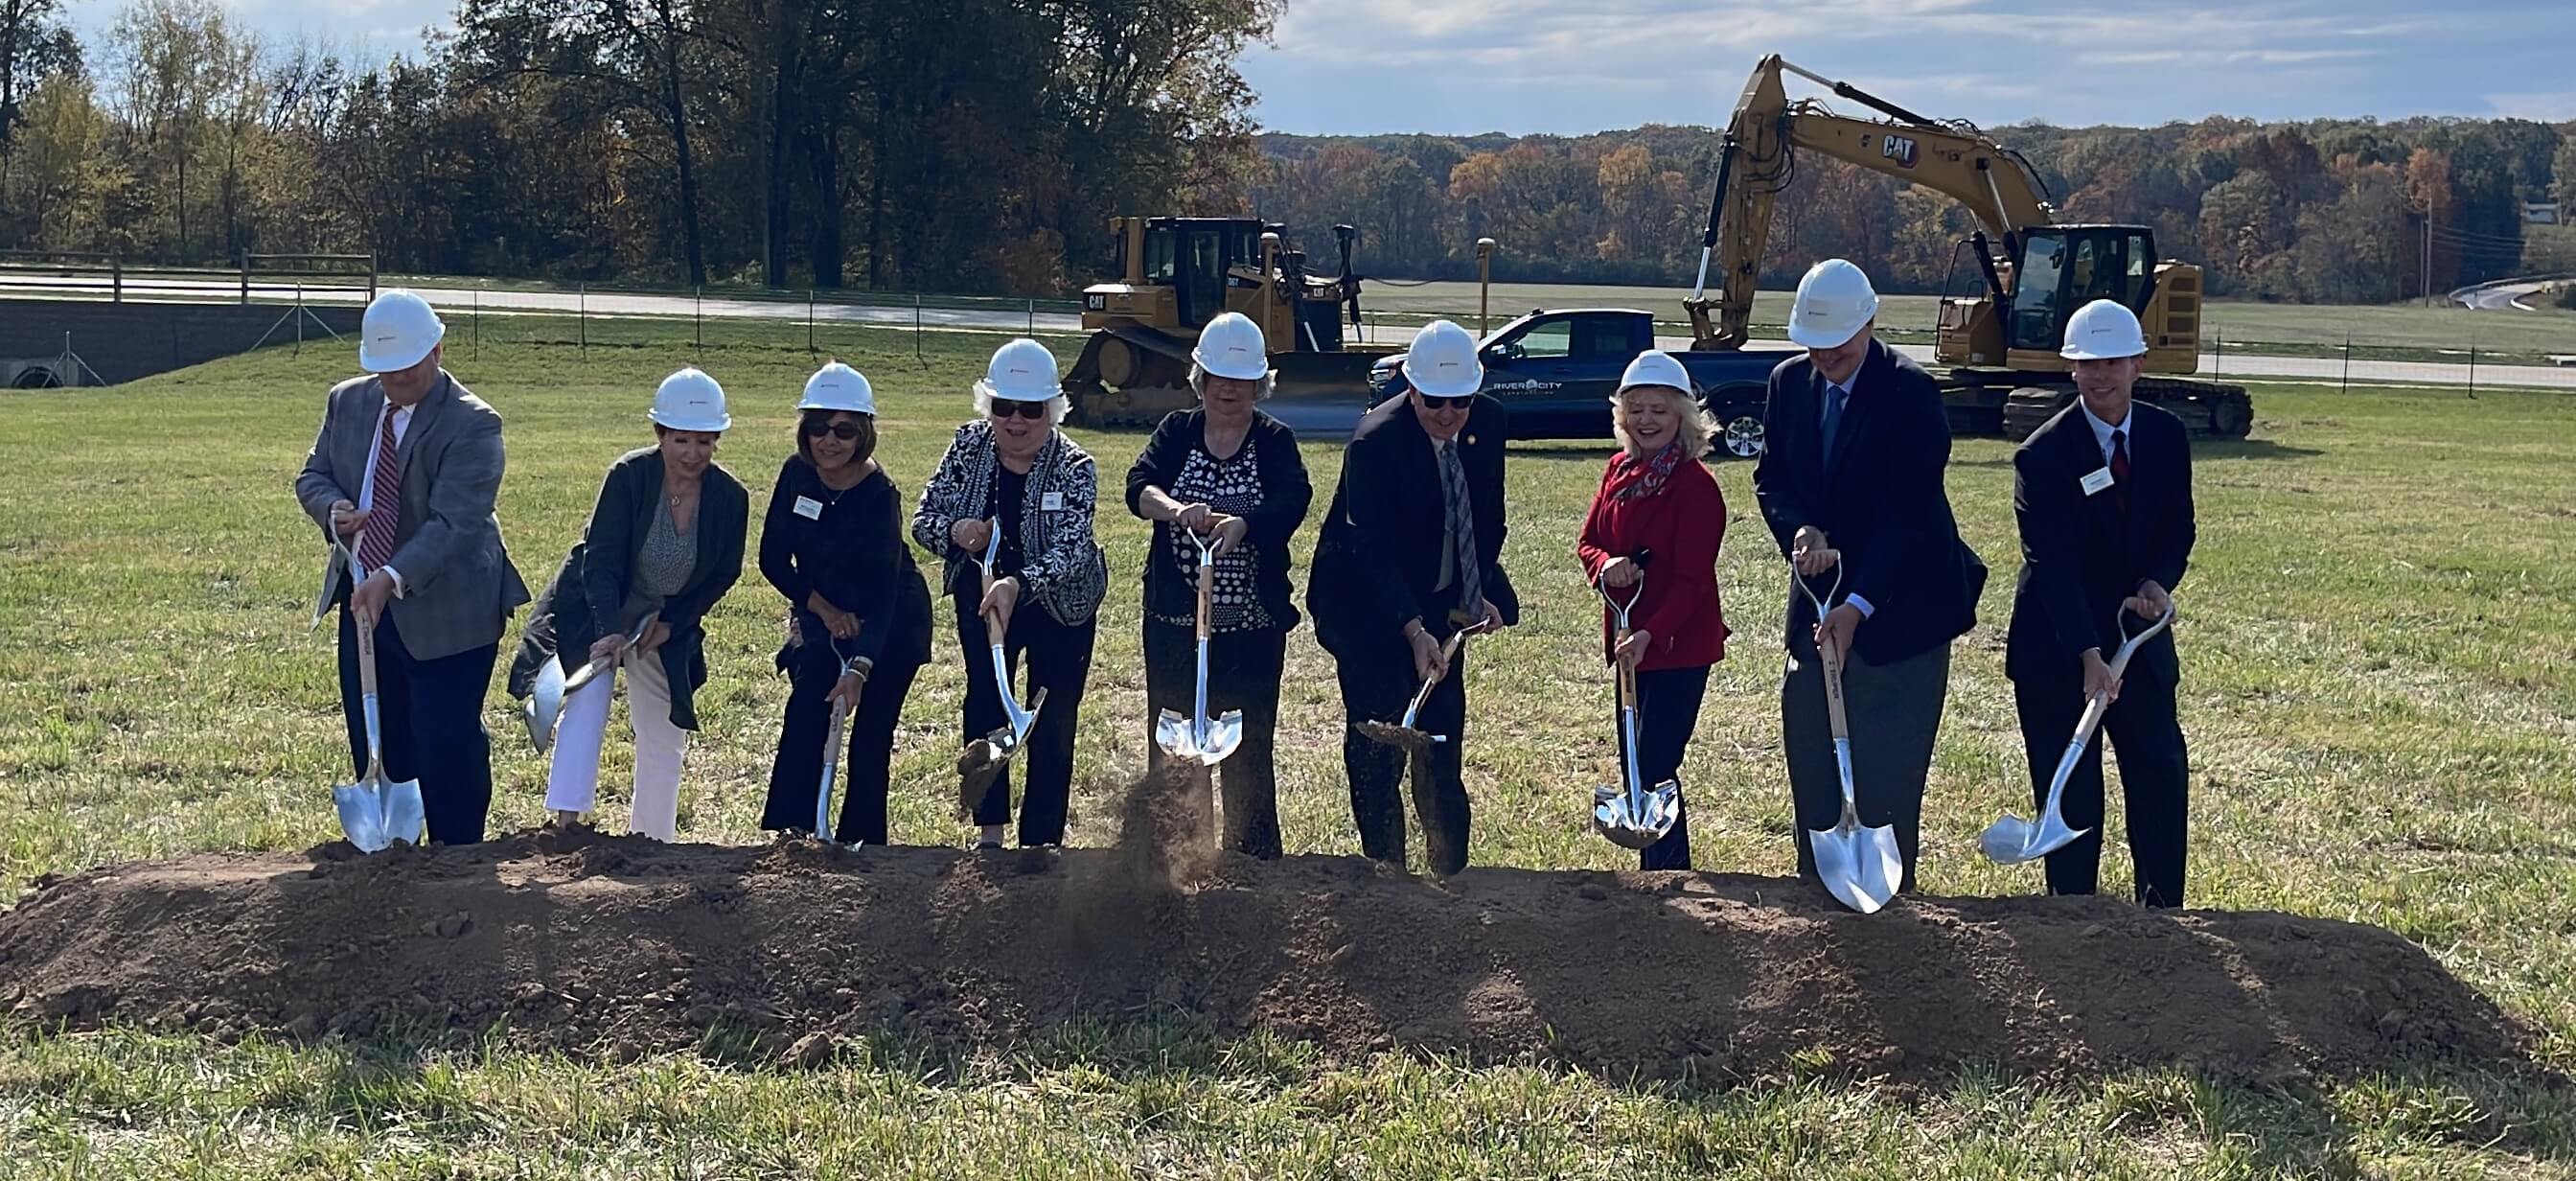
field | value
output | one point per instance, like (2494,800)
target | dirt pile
(620,945)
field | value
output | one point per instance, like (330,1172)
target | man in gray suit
(405,472)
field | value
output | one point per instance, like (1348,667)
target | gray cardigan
(581,603)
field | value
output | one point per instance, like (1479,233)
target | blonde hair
(1693,426)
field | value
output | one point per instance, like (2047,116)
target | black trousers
(1377,682)
(797,772)
(430,716)
(1058,660)
(1243,673)
(2155,776)
(1667,711)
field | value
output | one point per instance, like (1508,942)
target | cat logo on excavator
(1899,149)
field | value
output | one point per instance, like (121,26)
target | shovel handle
(366,652)
(1207,592)
(1627,675)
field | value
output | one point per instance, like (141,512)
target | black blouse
(847,544)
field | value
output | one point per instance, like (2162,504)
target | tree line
(980,145)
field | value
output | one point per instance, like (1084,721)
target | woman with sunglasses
(1012,474)
(1228,476)
(860,614)
(664,543)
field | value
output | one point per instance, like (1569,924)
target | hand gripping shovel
(2012,840)
(1631,816)
(546,697)
(984,758)
(373,812)
(833,735)
(1198,738)
(1402,735)
(1862,866)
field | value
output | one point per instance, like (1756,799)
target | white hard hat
(2103,331)
(838,387)
(397,332)
(1835,301)
(1655,367)
(1231,346)
(690,401)
(1442,362)
(1022,371)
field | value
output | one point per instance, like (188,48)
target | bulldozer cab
(2062,268)
(1194,256)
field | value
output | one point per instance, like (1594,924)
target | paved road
(1006,320)
(2505,295)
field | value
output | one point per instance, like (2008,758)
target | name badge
(1051,502)
(2097,482)
(809,508)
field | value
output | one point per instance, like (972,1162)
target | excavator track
(2208,409)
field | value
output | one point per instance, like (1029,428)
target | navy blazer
(1879,498)
(2080,556)
(1377,555)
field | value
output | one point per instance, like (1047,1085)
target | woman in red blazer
(1658,498)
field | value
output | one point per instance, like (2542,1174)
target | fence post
(2473,365)
(581,318)
(116,280)
(478,323)
(1033,317)
(916,326)
(2347,360)
(2218,353)
(702,317)
(245,275)
(809,321)
(299,318)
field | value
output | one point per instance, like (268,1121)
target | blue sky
(1522,66)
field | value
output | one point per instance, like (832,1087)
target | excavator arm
(1757,158)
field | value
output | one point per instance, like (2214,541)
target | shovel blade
(1403,738)
(362,815)
(2012,840)
(1862,867)
(1172,733)
(1636,821)
(405,815)
(545,705)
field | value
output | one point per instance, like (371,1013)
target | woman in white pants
(665,541)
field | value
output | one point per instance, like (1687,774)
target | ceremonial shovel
(2012,840)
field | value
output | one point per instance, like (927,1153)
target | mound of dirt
(616,946)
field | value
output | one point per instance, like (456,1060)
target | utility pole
(2428,256)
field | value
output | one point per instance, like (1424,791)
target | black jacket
(1286,493)
(2080,557)
(1879,499)
(1378,553)
(850,547)
(581,603)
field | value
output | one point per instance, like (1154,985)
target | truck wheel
(1743,436)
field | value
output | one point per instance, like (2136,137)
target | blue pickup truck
(1554,372)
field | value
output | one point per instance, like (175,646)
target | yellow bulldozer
(1176,274)
(2000,330)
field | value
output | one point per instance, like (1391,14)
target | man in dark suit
(1410,553)
(1855,442)
(405,471)
(2103,496)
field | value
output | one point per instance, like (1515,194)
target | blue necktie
(1835,396)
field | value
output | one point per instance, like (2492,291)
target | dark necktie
(384,505)
(1462,527)
(2120,470)
(1835,396)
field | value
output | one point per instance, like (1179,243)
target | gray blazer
(459,585)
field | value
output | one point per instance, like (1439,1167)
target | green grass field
(2380,637)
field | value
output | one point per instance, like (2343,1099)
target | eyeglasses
(1006,408)
(1459,402)
(844,431)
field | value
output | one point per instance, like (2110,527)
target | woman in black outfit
(834,546)
(1229,472)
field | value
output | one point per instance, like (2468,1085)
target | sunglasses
(844,431)
(1005,408)
(1459,402)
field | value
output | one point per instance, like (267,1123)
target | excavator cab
(2062,268)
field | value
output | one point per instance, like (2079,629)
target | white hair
(1057,406)
(1199,376)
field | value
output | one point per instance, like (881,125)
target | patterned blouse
(1233,487)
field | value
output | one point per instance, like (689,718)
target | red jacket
(1682,523)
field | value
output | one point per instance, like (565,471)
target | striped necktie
(384,507)
(1462,527)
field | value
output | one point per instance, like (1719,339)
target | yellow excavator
(1178,273)
(1999,338)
